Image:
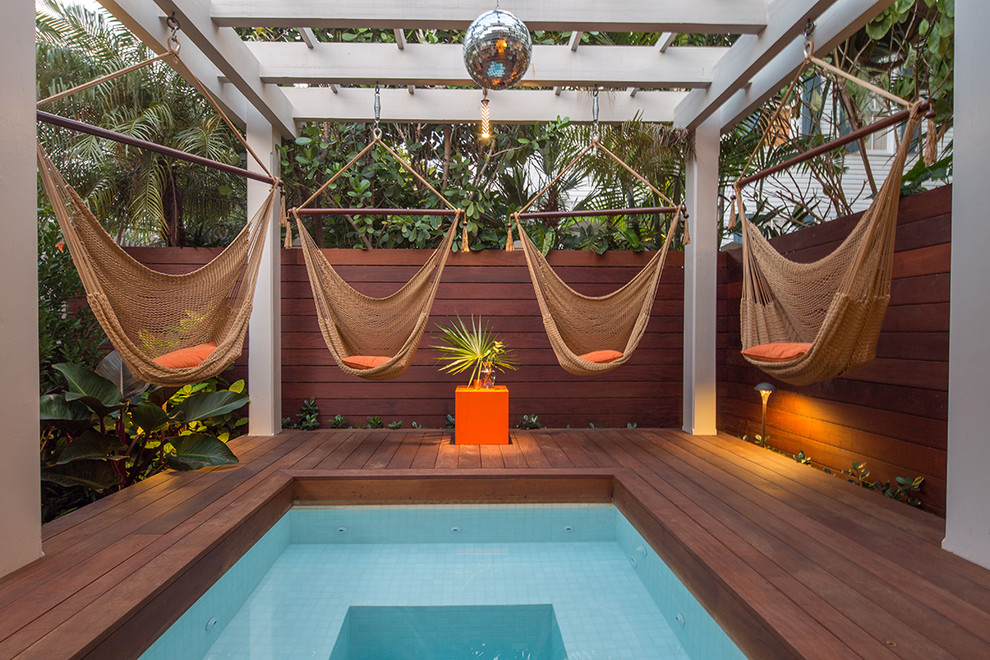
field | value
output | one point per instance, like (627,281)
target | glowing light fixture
(765,390)
(486,128)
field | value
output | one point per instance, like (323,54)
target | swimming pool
(541,582)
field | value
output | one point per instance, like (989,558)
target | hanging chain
(173,39)
(377,132)
(594,116)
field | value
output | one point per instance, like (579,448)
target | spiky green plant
(469,349)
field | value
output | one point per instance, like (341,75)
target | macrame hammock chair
(591,335)
(806,322)
(169,329)
(373,338)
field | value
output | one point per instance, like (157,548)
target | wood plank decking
(791,562)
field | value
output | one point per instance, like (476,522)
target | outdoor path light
(765,390)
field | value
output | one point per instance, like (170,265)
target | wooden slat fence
(890,414)
(495,285)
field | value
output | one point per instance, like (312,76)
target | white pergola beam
(663,43)
(308,37)
(224,47)
(464,106)
(749,54)
(265,329)
(442,64)
(700,281)
(967,499)
(707,16)
(400,38)
(147,23)
(575,39)
(833,27)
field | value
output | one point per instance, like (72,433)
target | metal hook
(594,115)
(378,111)
(809,38)
(173,39)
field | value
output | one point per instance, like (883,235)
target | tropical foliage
(67,330)
(906,50)
(489,180)
(138,195)
(99,436)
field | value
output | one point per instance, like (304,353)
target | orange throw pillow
(184,358)
(601,357)
(779,352)
(365,361)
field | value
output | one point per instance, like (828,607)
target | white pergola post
(967,520)
(700,277)
(265,332)
(20,481)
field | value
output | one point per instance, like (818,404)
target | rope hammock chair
(168,329)
(594,334)
(807,322)
(373,338)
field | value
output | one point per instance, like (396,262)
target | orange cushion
(779,352)
(365,361)
(601,357)
(185,358)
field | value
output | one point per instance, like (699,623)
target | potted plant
(481,410)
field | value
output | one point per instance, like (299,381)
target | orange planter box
(481,417)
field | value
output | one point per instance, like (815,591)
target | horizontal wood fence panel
(891,413)
(652,339)
(493,284)
(517,323)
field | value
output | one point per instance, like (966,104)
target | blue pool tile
(610,594)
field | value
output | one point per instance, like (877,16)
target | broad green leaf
(95,391)
(196,451)
(303,141)
(98,475)
(54,407)
(208,404)
(149,417)
(91,445)
(112,368)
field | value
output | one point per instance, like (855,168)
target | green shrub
(95,441)
(64,334)
(307,419)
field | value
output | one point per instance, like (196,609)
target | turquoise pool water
(493,582)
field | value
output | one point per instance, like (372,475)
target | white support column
(700,277)
(967,520)
(20,481)
(265,333)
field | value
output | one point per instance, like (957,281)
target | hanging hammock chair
(169,329)
(373,338)
(806,322)
(594,334)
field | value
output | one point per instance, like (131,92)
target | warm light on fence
(486,129)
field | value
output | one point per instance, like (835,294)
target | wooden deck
(791,562)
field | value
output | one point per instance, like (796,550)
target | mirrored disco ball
(497,48)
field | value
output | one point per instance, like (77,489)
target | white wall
(967,523)
(20,490)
